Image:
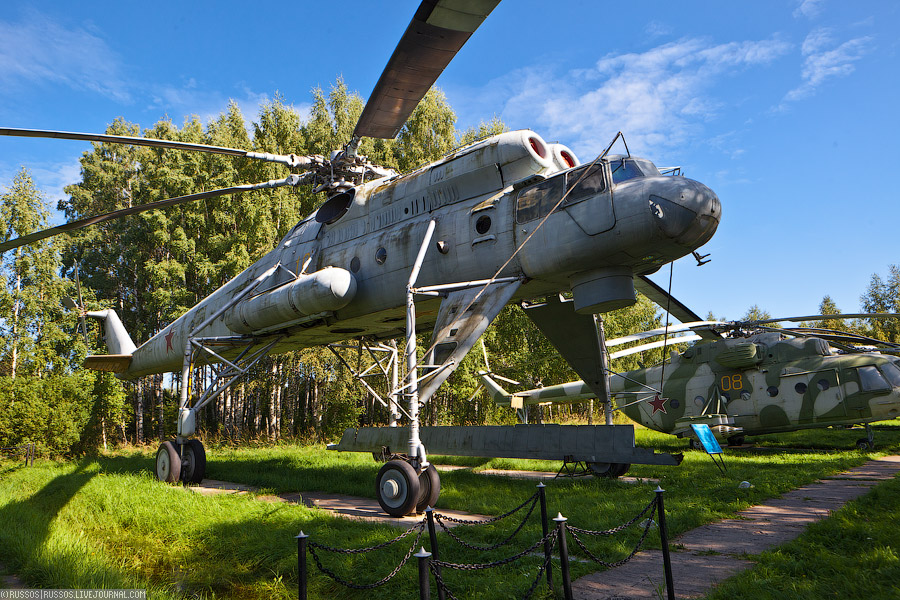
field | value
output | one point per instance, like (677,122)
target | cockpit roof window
(624,169)
(584,182)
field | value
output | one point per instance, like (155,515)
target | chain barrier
(420,526)
(619,528)
(618,563)
(439,518)
(437,565)
(554,539)
(492,519)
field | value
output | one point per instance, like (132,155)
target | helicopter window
(625,169)
(591,183)
(892,373)
(674,403)
(380,256)
(823,384)
(538,200)
(800,388)
(699,401)
(483,224)
(646,167)
(870,379)
(772,391)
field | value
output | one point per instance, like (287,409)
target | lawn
(105,522)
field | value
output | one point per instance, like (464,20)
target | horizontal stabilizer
(111,363)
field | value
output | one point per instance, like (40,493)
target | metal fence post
(301,565)
(563,556)
(664,540)
(424,582)
(432,536)
(545,527)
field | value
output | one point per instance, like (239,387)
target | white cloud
(808,9)
(659,97)
(825,60)
(39,50)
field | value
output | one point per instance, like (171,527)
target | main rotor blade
(823,318)
(666,301)
(436,33)
(291,160)
(292,180)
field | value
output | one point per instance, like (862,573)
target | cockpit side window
(871,380)
(584,182)
(891,372)
(538,200)
(625,169)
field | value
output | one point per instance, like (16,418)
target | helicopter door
(589,202)
(826,396)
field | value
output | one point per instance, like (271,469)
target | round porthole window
(800,388)
(354,264)
(823,384)
(380,256)
(699,401)
(674,403)
(772,391)
(483,224)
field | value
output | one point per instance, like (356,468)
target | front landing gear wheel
(168,463)
(608,470)
(193,462)
(864,444)
(429,488)
(397,488)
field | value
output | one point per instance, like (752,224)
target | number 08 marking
(731,382)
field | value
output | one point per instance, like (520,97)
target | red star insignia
(169,337)
(658,403)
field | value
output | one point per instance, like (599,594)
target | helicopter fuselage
(343,272)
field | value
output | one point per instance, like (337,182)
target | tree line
(153,266)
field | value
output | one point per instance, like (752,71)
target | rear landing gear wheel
(695,444)
(397,488)
(168,463)
(736,440)
(610,470)
(429,488)
(864,444)
(193,462)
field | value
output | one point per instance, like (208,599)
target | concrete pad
(643,577)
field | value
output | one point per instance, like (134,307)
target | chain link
(439,516)
(617,563)
(498,563)
(621,527)
(420,525)
(383,580)
(544,566)
(448,531)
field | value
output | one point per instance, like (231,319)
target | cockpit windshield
(892,373)
(624,169)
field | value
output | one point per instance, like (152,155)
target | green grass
(104,522)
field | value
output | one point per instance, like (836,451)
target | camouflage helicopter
(757,380)
(445,246)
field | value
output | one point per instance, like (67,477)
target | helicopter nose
(685,210)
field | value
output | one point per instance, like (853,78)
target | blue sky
(787,109)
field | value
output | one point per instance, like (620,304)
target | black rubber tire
(168,463)
(193,464)
(429,489)
(397,488)
(619,469)
(695,444)
(599,469)
(736,440)
(864,444)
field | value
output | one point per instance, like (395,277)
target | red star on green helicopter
(658,403)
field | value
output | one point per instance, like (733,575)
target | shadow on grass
(34,516)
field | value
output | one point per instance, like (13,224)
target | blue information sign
(709,441)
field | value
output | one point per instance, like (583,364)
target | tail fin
(498,394)
(118,343)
